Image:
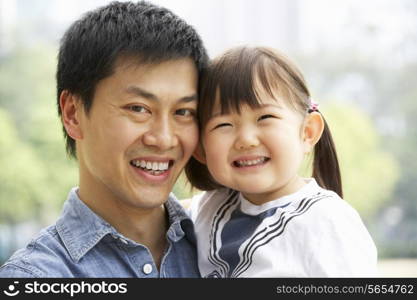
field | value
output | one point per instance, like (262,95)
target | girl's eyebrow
(215,115)
(261,106)
(266,105)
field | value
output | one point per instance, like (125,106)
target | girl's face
(257,152)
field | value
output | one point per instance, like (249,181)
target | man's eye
(263,117)
(138,108)
(185,112)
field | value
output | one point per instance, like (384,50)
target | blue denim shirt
(81,244)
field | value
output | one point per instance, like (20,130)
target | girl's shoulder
(326,206)
(332,207)
(316,207)
(326,214)
(339,243)
(320,201)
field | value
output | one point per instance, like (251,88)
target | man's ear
(199,154)
(71,109)
(312,131)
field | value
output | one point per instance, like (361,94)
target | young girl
(259,218)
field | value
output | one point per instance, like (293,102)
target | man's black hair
(91,45)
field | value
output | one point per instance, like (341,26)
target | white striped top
(311,233)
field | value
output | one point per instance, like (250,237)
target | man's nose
(161,135)
(246,138)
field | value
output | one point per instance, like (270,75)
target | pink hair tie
(314,106)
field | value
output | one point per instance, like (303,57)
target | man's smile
(153,166)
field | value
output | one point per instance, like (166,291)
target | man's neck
(146,226)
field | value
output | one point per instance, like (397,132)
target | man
(127,90)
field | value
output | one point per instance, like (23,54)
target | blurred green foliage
(369,172)
(35,173)
(22,176)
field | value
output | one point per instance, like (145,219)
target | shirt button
(147,268)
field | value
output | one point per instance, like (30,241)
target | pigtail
(199,176)
(326,168)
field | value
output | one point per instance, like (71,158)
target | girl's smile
(250,162)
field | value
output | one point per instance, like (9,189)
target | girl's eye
(138,109)
(222,125)
(185,112)
(263,117)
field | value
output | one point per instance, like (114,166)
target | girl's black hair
(234,77)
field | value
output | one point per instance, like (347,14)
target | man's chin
(151,199)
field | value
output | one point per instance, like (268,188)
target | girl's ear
(313,129)
(70,112)
(199,154)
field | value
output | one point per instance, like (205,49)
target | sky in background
(290,25)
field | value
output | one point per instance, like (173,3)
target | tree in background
(22,179)
(35,174)
(22,175)
(28,94)
(369,172)
(387,92)
(376,70)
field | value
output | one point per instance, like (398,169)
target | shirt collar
(180,223)
(81,229)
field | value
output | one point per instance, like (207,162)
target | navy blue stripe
(213,257)
(254,239)
(281,225)
(249,262)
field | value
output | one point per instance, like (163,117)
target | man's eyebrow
(189,98)
(138,91)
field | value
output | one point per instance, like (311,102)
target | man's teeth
(243,163)
(154,166)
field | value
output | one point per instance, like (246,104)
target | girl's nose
(247,139)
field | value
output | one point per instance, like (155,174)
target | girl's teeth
(250,162)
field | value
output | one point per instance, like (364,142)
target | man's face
(140,132)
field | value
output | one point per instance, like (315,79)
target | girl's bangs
(239,79)
(240,76)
